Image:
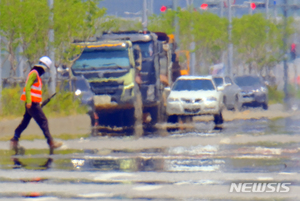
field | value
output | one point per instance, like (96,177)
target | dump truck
(111,68)
(127,72)
(155,64)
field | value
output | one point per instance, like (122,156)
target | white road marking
(112,176)
(147,188)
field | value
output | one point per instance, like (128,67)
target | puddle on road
(260,157)
(261,126)
(252,157)
(208,158)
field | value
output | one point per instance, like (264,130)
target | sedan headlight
(263,89)
(211,99)
(173,99)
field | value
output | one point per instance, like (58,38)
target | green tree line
(258,42)
(25,24)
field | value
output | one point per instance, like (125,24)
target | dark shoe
(14,144)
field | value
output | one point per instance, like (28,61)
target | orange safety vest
(36,89)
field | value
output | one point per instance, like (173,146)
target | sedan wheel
(218,118)
(172,119)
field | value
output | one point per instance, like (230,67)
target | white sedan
(192,96)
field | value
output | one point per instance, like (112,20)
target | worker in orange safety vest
(32,96)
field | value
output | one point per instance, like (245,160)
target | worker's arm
(28,85)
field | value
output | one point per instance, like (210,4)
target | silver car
(232,97)
(192,96)
(254,91)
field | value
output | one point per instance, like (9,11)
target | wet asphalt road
(195,164)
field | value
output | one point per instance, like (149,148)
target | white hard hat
(44,62)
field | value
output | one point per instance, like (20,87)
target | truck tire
(138,112)
(265,106)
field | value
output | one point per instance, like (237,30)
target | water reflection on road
(170,172)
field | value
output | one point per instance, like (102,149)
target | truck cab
(109,66)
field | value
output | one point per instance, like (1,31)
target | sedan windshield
(101,59)
(193,85)
(247,81)
(218,81)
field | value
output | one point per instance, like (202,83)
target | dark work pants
(38,115)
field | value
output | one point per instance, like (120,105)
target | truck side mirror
(137,55)
(137,63)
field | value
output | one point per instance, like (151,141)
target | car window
(228,80)
(193,85)
(247,81)
(218,81)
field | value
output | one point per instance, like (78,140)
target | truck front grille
(108,88)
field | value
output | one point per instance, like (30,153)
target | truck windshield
(102,59)
(193,85)
(146,48)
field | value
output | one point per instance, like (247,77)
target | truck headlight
(173,99)
(77,92)
(263,89)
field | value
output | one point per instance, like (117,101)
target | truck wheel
(172,119)
(265,106)
(154,111)
(138,113)
(94,122)
(218,118)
